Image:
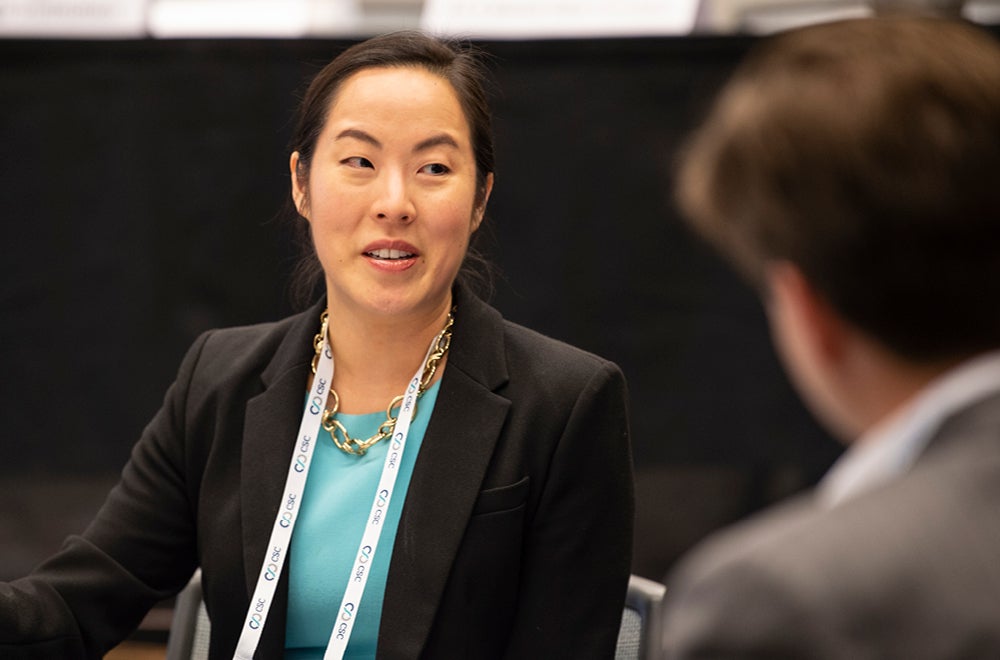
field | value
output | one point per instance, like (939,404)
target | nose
(393,202)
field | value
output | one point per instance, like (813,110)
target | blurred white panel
(767,20)
(765,16)
(95,19)
(517,19)
(983,11)
(251,18)
(380,16)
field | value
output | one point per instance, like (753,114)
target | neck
(882,383)
(375,358)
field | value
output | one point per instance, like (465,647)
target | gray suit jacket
(515,537)
(910,570)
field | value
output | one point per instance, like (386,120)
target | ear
(298,186)
(803,315)
(480,210)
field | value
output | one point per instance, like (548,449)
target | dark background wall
(139,187)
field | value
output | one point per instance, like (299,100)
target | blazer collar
(974,425)
(447,477)
(478,341)
(271,424)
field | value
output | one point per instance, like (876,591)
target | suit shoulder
(861,540)
(233,352)
(758,540)
(529,349)
(751,588)
(900,554)
(248,338)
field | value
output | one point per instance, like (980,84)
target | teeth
(386,253)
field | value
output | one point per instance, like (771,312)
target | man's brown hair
(867,152)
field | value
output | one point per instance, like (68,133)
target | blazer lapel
(271,424)
(447,477)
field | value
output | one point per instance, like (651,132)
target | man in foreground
(852,172)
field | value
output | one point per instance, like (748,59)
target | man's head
(863,157)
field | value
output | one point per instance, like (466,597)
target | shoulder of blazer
(491,349)
(529,347)
(953,486)
(232,354)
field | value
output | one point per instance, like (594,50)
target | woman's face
(390,194)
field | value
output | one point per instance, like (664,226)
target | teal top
(338,498)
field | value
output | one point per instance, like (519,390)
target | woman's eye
(358,161)
(437,169)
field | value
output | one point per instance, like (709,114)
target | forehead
(398,97)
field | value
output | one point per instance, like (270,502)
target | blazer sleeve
(577,555)
(139,549)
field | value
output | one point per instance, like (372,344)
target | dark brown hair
(462,65)
(866,152)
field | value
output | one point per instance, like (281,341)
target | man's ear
(298,186)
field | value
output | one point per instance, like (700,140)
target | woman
(486,513)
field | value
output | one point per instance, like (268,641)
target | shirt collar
(890,447)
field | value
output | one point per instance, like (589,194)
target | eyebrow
(442,139)
(358,134)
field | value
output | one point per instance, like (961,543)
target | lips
(388,250)
(389,253)
(388,256)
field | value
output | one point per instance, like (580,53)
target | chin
(396,306)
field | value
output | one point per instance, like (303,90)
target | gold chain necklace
(330,422)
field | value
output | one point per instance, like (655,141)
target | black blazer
(515,537)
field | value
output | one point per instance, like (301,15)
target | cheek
(330,209)
(457,232)
(805,369)
(462,219)
(455,214)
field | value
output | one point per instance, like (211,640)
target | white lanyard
(281,532)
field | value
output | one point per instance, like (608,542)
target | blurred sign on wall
(93,19)
(516,19)
(252,18)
